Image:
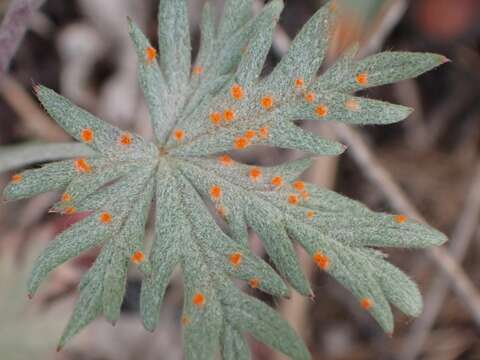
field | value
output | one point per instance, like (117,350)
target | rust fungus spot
(197,70)
(229,115)
(263,132)
(215,192)
(179,135)
(70,210)
(310,97)
(66,197)
(352,105)
(299,83)
(277,181)
(138,257)
(267,102)
(255,174)
(83,166)
(305,195)
(366,303)
(236,258)
(241,143)
(299,185)
(322,260)
(17,179)
(199,299)
(150,54)
(310,214)
(216,118)
(237,92)
(105,217)
(225,160)
(250,134)
(321,110)
(362,79)
(87,135)
(400,219)
(126,139)
(293,199)
(185,320)
(254,283)
(221,211)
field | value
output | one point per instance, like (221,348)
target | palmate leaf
(199,114)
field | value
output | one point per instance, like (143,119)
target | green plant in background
(198,114)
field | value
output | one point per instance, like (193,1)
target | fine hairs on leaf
(201,111)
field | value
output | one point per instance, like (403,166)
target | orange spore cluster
(83,166)
(138,257)
(105,217)
(215,192)
(254,283)
(310,214)
(229,115)
(179,135)
(66,197)
(299,83)
(321,110)
(255,174)
(241,143)
(362,79)
(310,97)
(267,102)
(198,70)
(237,92)
(277,181)
(236,258)
(216,118)
(221,211)
(199,299)
(293,199)
(400,219)
(150,54)
(225,160)
(299,185)
(184,320)
(366,303)
(352,105)
(17,178)
(250,134)
(322,260)
(70,210)
(263,132)
(126,139)
(87,135)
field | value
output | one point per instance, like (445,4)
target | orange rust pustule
(225,160)
(254,283)
(299,185)
(310,97)
(229,115)
(263,132)
(362,79)
(199,299)
(241,143)
(321,110)
(299,83)
(237,92)
(17,178)
(66,197)
(197,70)
(105,217)
(138,257)
(400,219)
(150,54)
(179,135)
(267,102)
(70,210)
(352,105)
(293,199)
(216,118)
(255,174)
(322,260)
(366,303)
(215,192)
(126,139)
(236,258)
(310,214)
(87,135)
(250,134)
(277,181)
(82,166)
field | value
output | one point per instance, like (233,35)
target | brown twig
(14,26)
(462,236)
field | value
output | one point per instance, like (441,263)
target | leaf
(206,202)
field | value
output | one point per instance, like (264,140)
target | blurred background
(81,49)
